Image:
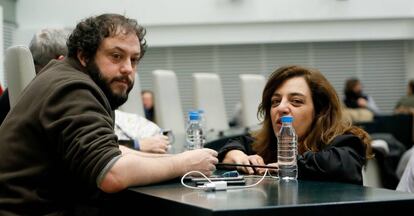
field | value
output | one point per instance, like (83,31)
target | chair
(19,71)
(371,174)
(208,96)
(402,164)
(251,86)
(167,103)
(134,102)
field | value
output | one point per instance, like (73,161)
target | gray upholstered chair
(371,172)
(167,104)
(251,86)
(19,71)
(208,96)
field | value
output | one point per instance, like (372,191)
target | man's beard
(115,100)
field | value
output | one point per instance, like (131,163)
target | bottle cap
(194,115)
(287,119)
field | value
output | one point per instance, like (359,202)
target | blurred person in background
(406,103)
(145,135)
(355,97)
(148,103)
(406,183)
(405,169)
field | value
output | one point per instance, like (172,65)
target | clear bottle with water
(194,133)
(287,150)
(202,118)
(203,122)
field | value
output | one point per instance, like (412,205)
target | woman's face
(147,100)
(293,98)
(358,88)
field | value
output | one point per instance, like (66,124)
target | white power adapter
(215,186)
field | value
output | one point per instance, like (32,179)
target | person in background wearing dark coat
(329,147)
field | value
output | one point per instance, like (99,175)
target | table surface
(270,196)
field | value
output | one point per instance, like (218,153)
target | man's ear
(60,57)
(82,58)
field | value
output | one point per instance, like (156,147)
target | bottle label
(287,152)
(195,137)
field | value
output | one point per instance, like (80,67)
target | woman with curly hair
(329,147)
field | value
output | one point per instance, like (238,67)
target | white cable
(213,185)
(273,176)
(192,187)
(252,185)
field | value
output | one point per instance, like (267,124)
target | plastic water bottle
(202,118)
(203,122)
(287,150)
(194,134)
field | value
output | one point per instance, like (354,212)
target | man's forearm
(126,150)
(133,170)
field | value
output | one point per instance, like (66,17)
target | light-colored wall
(9,10)
(167,12)
(198,22)
(216,22)
(409,60)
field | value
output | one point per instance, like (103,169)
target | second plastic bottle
(287,150)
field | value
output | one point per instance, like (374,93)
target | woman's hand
(274,171)
(239,157)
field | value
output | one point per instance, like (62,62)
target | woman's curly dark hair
(89,33)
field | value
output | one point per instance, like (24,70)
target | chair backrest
(167,102)
(19,70)
(208,95)
(251,86)
(371,174)
(134,102)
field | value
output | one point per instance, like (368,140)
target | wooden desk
(268,198)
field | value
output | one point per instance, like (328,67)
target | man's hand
(203,160)
(155,144)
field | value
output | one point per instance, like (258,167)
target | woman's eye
(275,102)
(297,101)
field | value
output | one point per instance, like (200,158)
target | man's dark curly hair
(89,34)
